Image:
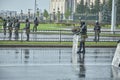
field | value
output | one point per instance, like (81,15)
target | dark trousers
(10,34)
(4,30)
(82,47)
(16,35)
(35,28)
(97,35)
(27,37)
(27,33)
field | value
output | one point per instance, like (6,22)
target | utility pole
(29,14)
(21,14)
(35,9)
(114,10)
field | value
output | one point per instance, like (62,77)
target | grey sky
(18,5)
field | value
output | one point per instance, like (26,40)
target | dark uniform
(17,27)
(97,30)
(35,25)
(4,26)
(10,28)
(27,28)
(83,33)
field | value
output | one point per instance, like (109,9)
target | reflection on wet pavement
(56,64)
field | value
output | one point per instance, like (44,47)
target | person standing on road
(17,27)
(4,26)
(36,23)
(83,33)
(97,30)
(27,28)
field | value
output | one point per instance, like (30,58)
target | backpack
(36,22)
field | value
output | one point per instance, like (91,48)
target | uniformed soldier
(17,27)
(13,22)
(10,28)
(27,28)
(97,30)
(4,26)
(35,24)
(83,33)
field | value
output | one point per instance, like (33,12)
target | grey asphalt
(56,64)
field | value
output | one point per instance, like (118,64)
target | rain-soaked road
(56,64)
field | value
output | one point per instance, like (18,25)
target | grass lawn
(89,44)
(43,26)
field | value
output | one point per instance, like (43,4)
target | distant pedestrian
(27,28)
(83,33)
(13,22)
(4,26)
(17,27)
(36,23)
(10,28)
(97,30)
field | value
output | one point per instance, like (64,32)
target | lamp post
(113,21)
(61,18)
(54,15)
(29,13)
(58,15)
(10,14)
(50,17)
(35,6)
(21,14)
(86,11)
(91,6)
(38,13)
(80,19)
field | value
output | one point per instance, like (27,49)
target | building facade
(63,5)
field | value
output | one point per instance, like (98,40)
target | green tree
(67,14)
(110,5)
(118,6)
(45,14)
(80,7)
(106,14)
(118,11)
(58,15)
(97,6)
(86,8)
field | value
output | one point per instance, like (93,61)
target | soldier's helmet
(97,22)
(83,22)
(27,20)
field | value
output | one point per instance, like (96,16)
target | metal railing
(58,36)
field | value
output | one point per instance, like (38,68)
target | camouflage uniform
(17,27)
(83,33)
(97,31)
(27,28)
(35,25)
(4,26)
(10,28)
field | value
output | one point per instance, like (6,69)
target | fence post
(21,35)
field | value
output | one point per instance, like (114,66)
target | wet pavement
(57,64)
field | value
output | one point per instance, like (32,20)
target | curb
(54,46)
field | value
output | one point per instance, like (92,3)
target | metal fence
(58,35)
